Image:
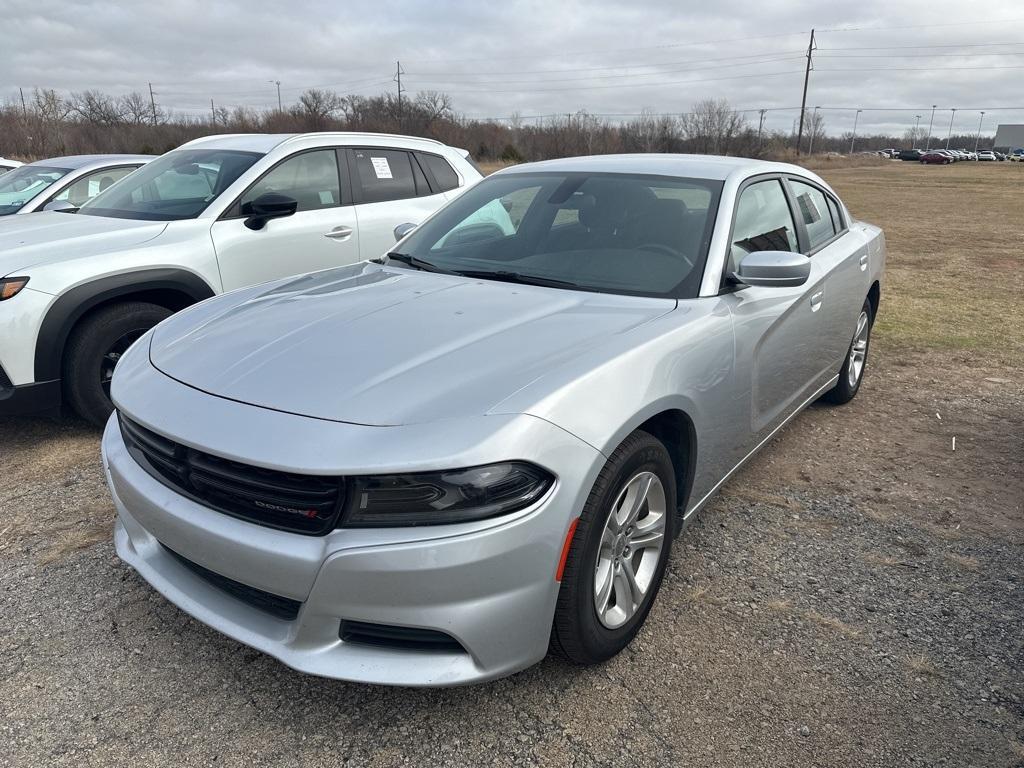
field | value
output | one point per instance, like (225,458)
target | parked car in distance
(8,165)
(910,154)
(987,155)
(219,213)
(423,470)
(890,153)
(934,157)
(63,183)
(1016,155)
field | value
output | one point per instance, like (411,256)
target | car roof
(265,142)
(685,166)
(74,162)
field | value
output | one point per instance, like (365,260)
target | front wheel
(92,352)
(852,372)
(618,554)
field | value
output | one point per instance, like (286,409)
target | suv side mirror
(781,269)
(267,206)
(403,229)
(65,206)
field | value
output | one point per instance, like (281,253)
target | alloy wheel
(110,359)
(858,350)
(630,549)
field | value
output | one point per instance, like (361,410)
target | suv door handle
(816,300)
(863,262)
(339,233)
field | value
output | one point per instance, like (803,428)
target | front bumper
(489,585)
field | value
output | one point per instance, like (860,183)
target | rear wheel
(93,350)
(852,372)
(618,554)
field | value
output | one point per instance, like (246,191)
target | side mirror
(65,206)
(403,229)
(266,207)
(781,269)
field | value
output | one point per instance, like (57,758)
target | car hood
(51,236)
(379,346)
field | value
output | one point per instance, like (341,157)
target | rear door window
(812,208)
(384,174)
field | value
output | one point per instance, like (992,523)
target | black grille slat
(306,504)
(282,607)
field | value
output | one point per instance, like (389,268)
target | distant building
(1009,137)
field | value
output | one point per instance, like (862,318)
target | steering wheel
(666,250)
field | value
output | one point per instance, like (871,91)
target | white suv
(215,214)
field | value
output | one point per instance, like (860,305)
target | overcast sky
(611,57)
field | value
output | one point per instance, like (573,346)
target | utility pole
(977,138)
(24,109)
(213,114)
(398,79)
(760,127)
(803,101)
(278,84)
(853,138)
(152,103)
(917,129)
(949,133)
(814,129)
(928,142)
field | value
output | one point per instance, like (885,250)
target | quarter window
(309,178)
(813,210)
(384,174)
(763,222)
(445,176)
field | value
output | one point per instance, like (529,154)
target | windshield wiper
(518,277)
(415,262)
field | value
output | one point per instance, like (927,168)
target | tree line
(46,123)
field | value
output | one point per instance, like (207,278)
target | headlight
(11,286)
(451,496)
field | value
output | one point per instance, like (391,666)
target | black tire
(106,331)
(577,634)
(844,391)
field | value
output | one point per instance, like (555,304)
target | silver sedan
(434,468)
(62,183)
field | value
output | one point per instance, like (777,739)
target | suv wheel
(618,553)
(92,352)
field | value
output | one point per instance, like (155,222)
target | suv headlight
(11,286)
(449,496)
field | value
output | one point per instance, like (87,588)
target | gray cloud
(537,58)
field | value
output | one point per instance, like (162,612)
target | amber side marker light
(565,549)
(11,287)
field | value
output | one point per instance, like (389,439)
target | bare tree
(135,108)
(317,107)
(712,126)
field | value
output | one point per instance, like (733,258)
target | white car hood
(51,236)
(376,346)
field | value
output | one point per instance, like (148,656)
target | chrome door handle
(863,262)
(816,300)
(339,233)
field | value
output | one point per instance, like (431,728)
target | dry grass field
(852,598)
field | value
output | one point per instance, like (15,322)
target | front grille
(299,503)
(281,607)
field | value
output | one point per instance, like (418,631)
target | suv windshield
(610,232)
(178,185)
(19,186)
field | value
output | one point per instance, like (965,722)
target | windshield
(614,233)
(19,186)
(178,185)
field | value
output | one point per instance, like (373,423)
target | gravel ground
(836,606)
